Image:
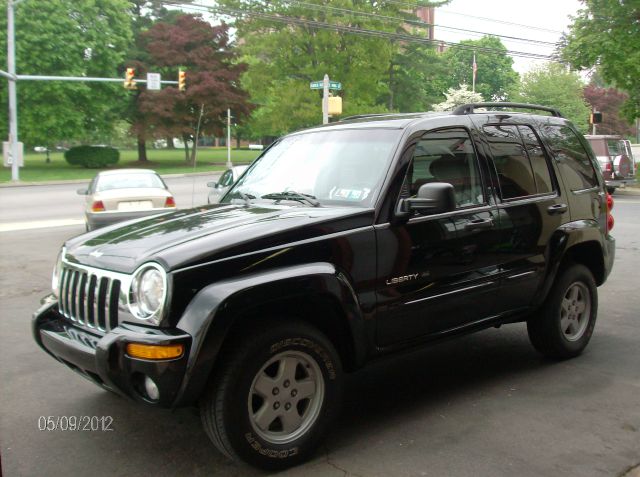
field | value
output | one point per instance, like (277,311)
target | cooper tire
(565,323)
(274,396)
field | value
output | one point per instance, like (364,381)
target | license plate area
(135,205)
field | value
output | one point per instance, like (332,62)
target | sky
(541,20)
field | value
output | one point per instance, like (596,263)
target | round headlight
(57,272)
(148,292)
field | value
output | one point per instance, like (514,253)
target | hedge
(92,156)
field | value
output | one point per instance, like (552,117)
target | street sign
(6,154)
(153,81)
(320,85)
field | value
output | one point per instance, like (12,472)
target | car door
(436,273)
(530,207)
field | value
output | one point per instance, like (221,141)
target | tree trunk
(185,140)
(170,144)
(237,141)
(193,153)
(142,149)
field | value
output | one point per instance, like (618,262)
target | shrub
(92,156)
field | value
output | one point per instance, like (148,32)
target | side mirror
(82,191)
(213,184)
(432,198)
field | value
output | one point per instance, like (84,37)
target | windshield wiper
(245,197)
(292,195)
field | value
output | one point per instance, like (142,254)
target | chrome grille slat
(81,298)
(89,297)
(72,294)
(62,291)
(67,295)
(107,306)
(85,310)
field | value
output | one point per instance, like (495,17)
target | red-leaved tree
(212,82)
(608,101)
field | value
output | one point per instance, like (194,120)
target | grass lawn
(163,161)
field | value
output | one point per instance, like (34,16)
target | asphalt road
(60,202)
(482,405)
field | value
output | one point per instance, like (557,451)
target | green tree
(420,76)
(66,38)
(607,33)
(552,85)
(285,56)
(495,75)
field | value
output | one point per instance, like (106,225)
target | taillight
(97,206)
(169,202)
(608,167)
(609,202)
(610,221)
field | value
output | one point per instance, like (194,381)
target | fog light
(155,352)
(151,389)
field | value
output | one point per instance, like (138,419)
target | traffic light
(129,82)
(182,80)
(595,118)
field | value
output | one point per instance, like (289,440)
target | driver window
(446,156)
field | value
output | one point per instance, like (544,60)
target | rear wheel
(274,397)
(564,327)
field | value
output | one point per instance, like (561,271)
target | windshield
(344,167)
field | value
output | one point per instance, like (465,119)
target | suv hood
(189,237)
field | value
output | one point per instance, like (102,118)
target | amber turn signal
(156,352)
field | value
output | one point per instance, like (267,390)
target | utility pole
(325,99)
(229,163)
(14,157)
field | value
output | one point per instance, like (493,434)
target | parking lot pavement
(482,405)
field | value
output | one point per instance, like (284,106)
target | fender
(563,239)
(208,320)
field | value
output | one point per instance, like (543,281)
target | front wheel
(565,324)
(274,396)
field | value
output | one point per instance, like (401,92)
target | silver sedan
(114,196)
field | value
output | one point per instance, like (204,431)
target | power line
(493,20)
(417,23)
(504,22)
(350,29)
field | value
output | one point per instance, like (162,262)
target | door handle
(557,209)
(479,224)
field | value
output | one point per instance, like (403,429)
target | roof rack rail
(382,115)
(469,108)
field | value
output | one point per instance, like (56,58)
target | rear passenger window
(538,160)
(572,158)
(512,163)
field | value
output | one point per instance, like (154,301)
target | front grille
(89,298)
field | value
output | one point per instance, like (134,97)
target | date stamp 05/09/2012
(76,423)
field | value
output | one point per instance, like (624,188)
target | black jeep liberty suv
(338,245)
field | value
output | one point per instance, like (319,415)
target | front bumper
(621,182)
(103,358)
